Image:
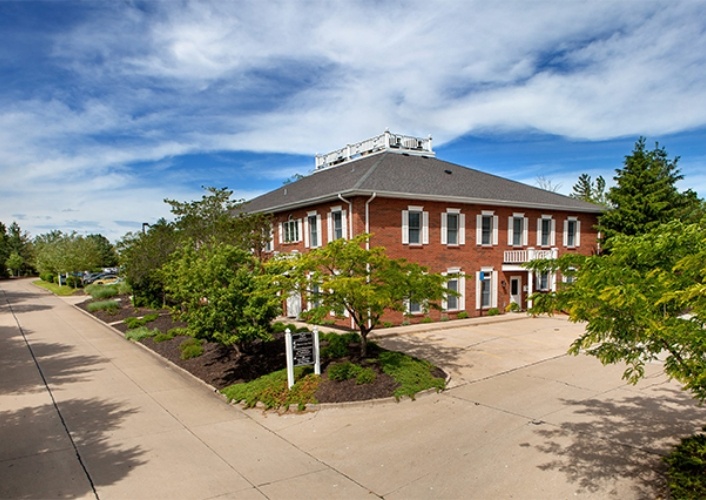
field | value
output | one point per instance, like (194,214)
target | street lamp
(144,225)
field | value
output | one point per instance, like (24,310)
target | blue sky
(107,108)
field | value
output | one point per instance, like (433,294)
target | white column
(530,285)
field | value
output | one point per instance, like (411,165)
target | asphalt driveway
(83,413)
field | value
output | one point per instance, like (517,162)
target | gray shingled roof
(395,175)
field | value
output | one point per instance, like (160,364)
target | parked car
(107,279)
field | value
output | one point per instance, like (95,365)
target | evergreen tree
(585,189)
(645,194)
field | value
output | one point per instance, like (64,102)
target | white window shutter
(565,239)
(306,232)
(494,289)
(425,228)
(281,231)
(344,224)
(539,232)
(462,291)
(577,238)
(495,229)
(444,227)
(405,227)
(462,229)
(319,234)
(509,230)
(478,290)
(525,232)
(479,229)
(299,229)
(329,219)
(552,238)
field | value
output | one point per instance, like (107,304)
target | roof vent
(447,171)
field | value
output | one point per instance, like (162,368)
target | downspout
(367,219)
(350,215)
(350,233)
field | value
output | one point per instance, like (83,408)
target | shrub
(412,374)
(137,322)
(191,348)
(48,277)
(427,319)
(686,476)
(493,312)
(178,331)
(139,333)
(462,315)
(99,292)
(365,376)
(272,390)
(104,305)
(337,345)
(512,307)
(163,337)
(278,327)
(342,371)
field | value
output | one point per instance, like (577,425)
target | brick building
(477,227)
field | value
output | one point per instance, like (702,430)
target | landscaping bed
(226,366)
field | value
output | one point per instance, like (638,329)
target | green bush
(178,331)
(462,315)
(278,327)
(191,348)
(512,307)
(137,322)
(427,319)
(342,371)
(48,277)
(493,312)
(365,376)
(99,292)
(139,333)
(272,390)
(104,305)
(163,337)
(336,345)
(686,476)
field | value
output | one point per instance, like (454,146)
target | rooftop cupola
(386,142)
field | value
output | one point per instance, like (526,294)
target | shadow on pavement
(445,357)
(90,422)
(18,371)
(617,439)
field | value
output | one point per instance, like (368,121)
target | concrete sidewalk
(84,413)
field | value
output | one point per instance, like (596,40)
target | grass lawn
(62,291)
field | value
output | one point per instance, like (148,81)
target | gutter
(350,215)
(367,218)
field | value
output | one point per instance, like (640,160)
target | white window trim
(511,230)
(424,228)
(552,231)
(461,226)
(307,243)
(479,228)
(344,223)
(461,299)
(282,231)
(577,233)
(493,288)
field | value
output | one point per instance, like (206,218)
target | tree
(346,276)
(4,249)
(14,263)
(220,291)
(645,194)
(593,192)
(142,255)
(58,253)
(645,299)
(106,250)
(546,184)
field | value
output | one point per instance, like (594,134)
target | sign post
(302,349)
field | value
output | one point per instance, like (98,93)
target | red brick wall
(386,229)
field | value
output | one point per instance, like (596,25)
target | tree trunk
(364,342)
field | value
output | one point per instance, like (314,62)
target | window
(269,242)
(572,232)
(456,284)
(569,275)
(486,288)
(543,281)
(337,224)
(487,229)
(312,232)
(453,227)
(546,229)
(289,231)
(517,230)
(314,296)
(415,226)
(414,307)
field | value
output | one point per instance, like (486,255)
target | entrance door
(516,290)
(294,305)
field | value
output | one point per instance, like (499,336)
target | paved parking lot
(83,413)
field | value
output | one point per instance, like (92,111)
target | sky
(107,108)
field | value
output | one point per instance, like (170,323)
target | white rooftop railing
(384,142)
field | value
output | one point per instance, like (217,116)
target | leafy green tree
(14,263)
(142,256)
(59,253)
(645,194)
(220,291)
(4,249)
(47,252)
(644,300)
(346,276)
(106,250)
(591,191)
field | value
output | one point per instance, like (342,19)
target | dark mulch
(221,366)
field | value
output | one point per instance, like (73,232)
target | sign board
(303,348)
